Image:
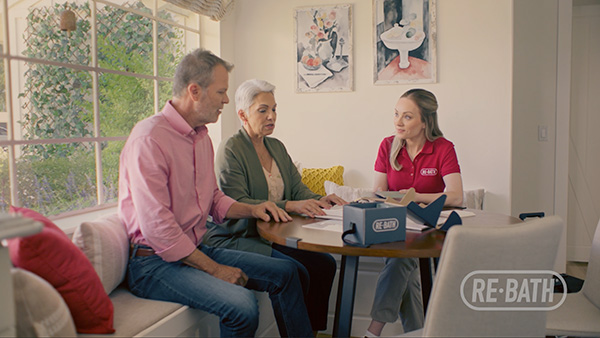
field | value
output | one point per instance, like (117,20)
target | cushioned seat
(585,322)
(515,252)
(134,314)
(579,315)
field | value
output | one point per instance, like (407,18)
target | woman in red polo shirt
(417,156)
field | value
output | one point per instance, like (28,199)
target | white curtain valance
(215,9)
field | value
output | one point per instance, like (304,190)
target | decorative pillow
(347,193)
(105,243)
(315,177)
(40,310)
(51,255)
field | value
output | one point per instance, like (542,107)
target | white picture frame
(405,41)
(323,37)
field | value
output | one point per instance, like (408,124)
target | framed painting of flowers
(324,48)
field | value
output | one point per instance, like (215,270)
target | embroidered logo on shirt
(429,171)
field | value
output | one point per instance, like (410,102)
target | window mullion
(96,105)
(155,56)
(12,167)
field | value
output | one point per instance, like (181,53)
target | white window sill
(69,222)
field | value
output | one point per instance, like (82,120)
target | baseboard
(578,253)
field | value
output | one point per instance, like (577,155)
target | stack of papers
(328,225)
(334,216)
(336,212)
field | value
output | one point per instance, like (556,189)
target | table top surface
(418,244)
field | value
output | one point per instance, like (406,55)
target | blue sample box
(373,223)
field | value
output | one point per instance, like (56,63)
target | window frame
(8,57)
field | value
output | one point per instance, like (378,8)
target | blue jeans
(316,271)
(153,278)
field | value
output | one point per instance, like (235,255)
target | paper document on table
(462,213)
(413,225)
(336,212)
(329,225)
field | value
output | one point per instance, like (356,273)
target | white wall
(534,90)
(325,129)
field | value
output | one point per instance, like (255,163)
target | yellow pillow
(314,178)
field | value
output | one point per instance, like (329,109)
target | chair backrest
(471,249)
(591,286)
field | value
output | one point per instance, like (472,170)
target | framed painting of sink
(405,41)
(324,48)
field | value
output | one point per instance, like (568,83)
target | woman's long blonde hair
(428,105)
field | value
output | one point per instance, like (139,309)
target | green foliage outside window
(54,178)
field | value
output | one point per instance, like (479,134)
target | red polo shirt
(425,174)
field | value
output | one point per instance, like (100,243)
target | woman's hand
(333,199)
(311,207)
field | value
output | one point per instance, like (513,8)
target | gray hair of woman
(428,105)
(197,67)
(247,91)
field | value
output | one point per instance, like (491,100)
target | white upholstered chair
(579,315)
(530,246)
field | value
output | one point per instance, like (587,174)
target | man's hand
(263,210)
(230,274)
(260,211)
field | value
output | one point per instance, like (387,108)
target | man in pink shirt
(167,191)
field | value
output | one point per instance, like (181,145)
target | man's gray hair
(247,91)
(197,67)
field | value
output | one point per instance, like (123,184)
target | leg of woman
(391,286)
(411,309)
(321,269)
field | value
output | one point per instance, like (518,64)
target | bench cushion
(134,314)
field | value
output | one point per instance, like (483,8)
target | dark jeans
(317,271)
(153,278)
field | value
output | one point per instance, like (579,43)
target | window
(68,99)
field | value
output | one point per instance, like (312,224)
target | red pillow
(51,255)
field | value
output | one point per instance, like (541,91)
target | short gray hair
(197,67)
(247,91)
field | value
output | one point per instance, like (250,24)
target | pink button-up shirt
(167,185)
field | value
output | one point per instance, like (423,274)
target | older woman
(417,156)
(253,168)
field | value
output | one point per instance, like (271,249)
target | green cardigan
(240,176)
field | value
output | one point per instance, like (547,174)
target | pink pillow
(52,256)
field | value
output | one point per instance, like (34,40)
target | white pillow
(346,192)
(105,243)
(473,199)
(39,308)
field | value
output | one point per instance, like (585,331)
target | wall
(584,158)
(534,88)
(540,124)
(324,129)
